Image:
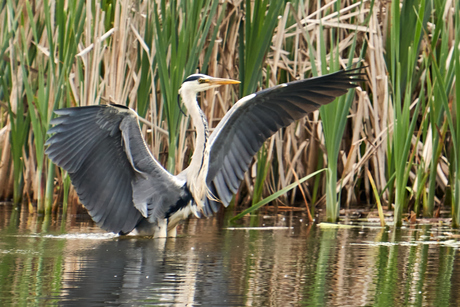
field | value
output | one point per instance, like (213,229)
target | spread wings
(256,117)
(119,181)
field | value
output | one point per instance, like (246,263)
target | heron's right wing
(254,118)
(111,168)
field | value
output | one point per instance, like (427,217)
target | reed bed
(399,128)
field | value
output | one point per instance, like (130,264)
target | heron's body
(124,187)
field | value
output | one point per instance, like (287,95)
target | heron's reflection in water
(137,270)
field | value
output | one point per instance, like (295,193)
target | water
(72,262)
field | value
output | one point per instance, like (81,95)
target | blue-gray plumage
(124,187)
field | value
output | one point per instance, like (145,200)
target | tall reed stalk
(456,128)
(404,50)
(444,76)
(255,36)
(19,121)
(333,115)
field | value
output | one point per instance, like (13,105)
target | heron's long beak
(221,81)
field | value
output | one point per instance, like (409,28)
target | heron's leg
(162,229)
(145,228)
(172,233)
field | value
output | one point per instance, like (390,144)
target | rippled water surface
(282,262)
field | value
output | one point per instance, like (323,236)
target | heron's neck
(198,168)
(202,134)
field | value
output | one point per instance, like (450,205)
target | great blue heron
(123,186)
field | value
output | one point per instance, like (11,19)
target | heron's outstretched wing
(256,117)
(111,168)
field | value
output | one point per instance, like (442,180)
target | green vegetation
(400,125)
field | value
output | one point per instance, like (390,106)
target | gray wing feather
(109,164)
(253,119)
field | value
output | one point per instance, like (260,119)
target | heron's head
(199,82)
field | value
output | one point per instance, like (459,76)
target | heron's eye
(201,81)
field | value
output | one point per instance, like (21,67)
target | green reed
(442,89)
(401,60)
(255,35)
(275,195)
(19,120)
(456,110)
(334,117)
(69,29)
(437,56)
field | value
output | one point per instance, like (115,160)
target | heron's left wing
(256,117)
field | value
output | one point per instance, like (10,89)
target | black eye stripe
(192,78)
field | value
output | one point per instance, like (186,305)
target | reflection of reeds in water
(402,128)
